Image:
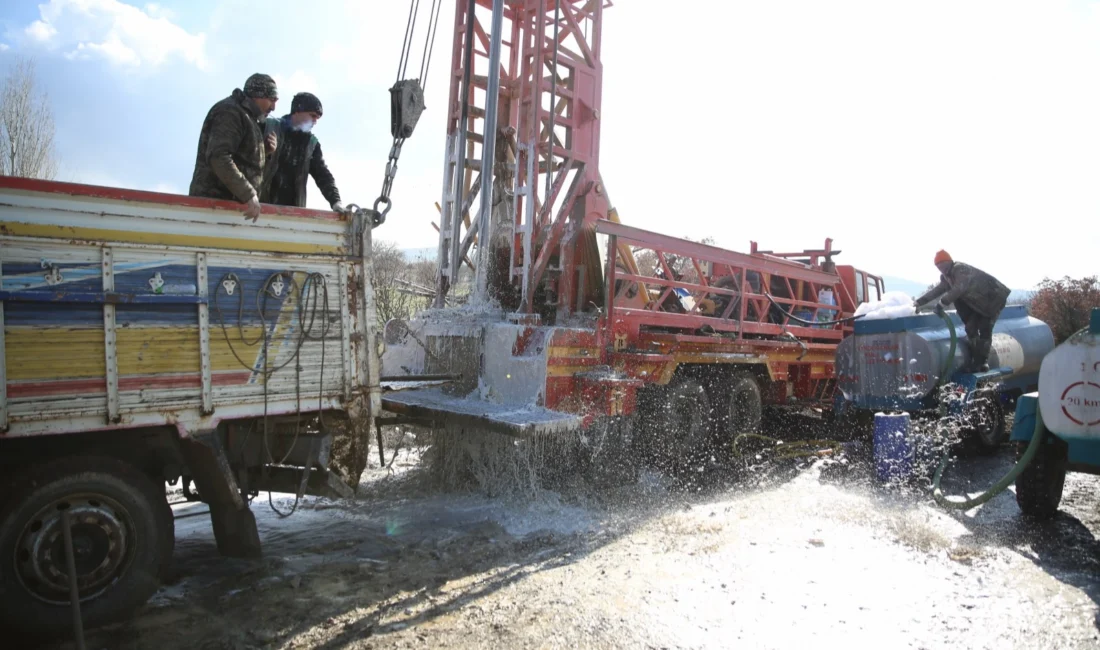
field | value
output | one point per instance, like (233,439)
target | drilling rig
(575,321)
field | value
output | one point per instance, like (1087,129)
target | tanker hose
(949,360)
(1001,485)
(809,323)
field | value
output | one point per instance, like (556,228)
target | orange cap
(943,256)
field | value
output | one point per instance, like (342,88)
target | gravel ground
(779,558)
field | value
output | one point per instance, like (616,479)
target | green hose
(949,362)
(1001,485)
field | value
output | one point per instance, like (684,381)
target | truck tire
(680,429)
(608,460)
(740,408)
(1039,487)
(123,538)
(744,405)
(989,430)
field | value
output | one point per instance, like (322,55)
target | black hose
(809,322)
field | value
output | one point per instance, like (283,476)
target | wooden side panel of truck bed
(123,309)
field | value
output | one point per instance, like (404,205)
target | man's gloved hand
(339,207)
(939,308)
(252,209)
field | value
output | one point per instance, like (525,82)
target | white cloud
(113,50)
(122,34)
(4,47)
(296,82)
(157,11)
(41,31)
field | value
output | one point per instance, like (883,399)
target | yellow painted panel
(54,353)
(163,239)
(154,350)
(565,351)
(565,371)
(43,353)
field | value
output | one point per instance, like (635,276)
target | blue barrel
(892,451)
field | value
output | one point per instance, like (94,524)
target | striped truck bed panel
(104,334)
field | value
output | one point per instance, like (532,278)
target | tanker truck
(904,364)
(1057,428)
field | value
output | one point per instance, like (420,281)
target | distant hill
(915,289)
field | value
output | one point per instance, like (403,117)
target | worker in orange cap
(978,298)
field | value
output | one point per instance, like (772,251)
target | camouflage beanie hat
(306,103)
(261,86)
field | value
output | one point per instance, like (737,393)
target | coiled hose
(951,503)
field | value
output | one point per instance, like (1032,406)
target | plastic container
(893,451)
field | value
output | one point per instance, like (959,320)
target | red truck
(576,320)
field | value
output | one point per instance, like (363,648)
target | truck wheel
(988,430)
(744,405)
(740,409)
(607,459)
(123,537)
(1039,486)
(682,427)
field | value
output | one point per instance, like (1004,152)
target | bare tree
(26,126)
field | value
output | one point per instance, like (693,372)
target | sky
(895,127)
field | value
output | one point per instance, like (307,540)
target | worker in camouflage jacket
(299,157)
(234,145)
(978,298)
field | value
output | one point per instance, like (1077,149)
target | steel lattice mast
(544,162)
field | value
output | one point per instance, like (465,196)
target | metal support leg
(233,522)
(74,588)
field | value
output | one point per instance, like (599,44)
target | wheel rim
(102,534)
(987,423)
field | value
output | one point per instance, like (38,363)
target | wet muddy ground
(779,557)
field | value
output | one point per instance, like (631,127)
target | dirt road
(820,554)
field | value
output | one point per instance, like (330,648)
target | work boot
(979,355)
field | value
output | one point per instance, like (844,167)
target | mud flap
(233,522)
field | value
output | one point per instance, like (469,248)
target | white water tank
(1069,387)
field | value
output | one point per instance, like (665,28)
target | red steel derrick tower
(530,72)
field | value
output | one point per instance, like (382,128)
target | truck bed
(125,309)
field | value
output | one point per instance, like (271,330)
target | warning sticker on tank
(1081,403)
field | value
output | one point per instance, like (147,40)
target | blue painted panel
(66,296)
(143,306)
(1023,427)
(51,314)
(1081,451)
(1084,452)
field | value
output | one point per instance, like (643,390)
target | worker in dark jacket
(233,146)
(978,298)
(299,157)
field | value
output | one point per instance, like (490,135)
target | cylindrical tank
(896,363)
(1069,386)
